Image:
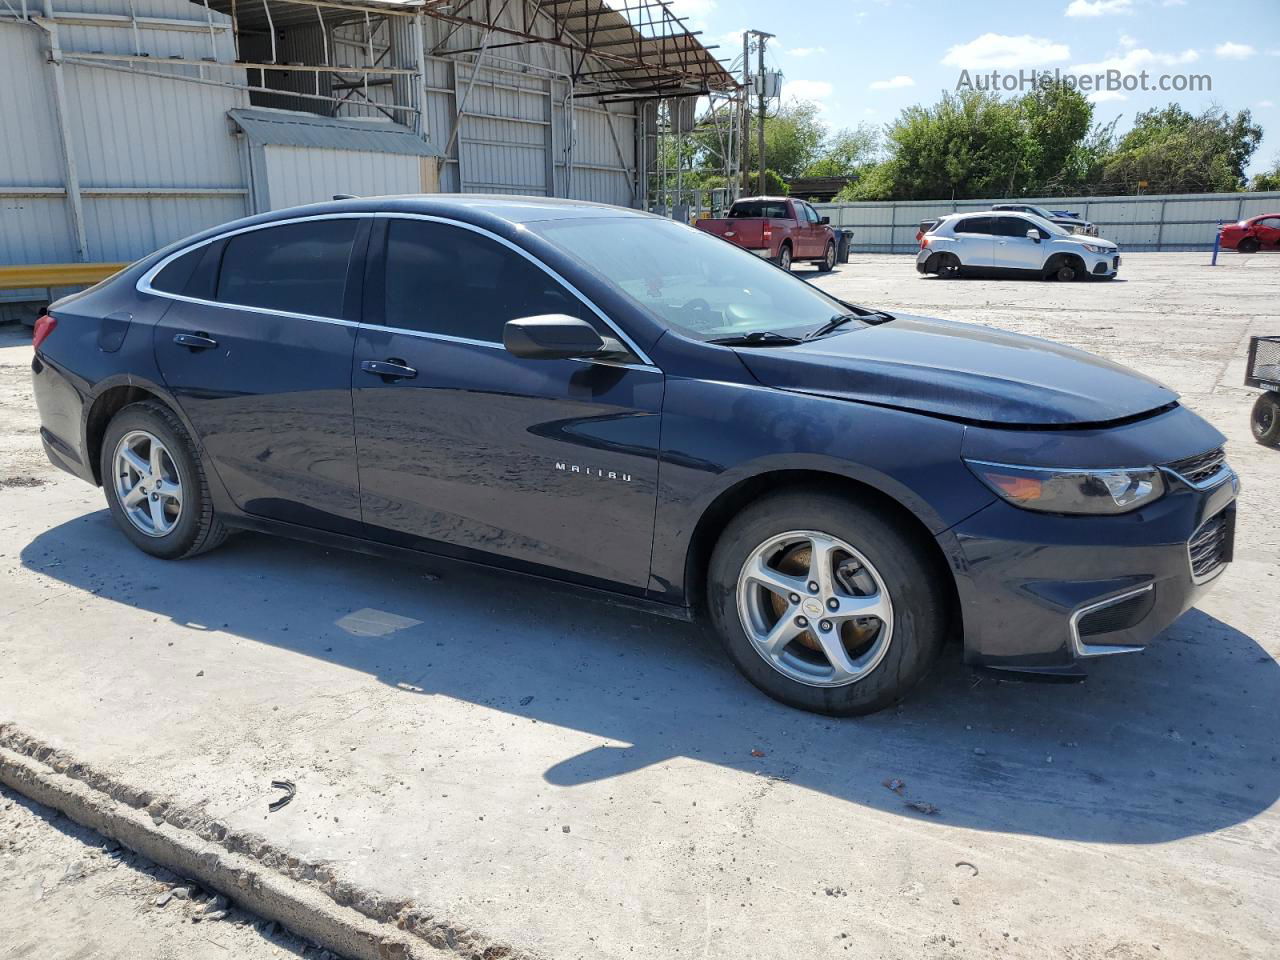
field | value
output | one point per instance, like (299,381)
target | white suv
(1001,244)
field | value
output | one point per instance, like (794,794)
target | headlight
(1094,248)
(1066,490)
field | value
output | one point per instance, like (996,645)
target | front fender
(716,435)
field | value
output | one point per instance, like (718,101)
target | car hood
(960,370)
(1092,241)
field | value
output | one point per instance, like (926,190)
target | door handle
(389,370)
(195,341)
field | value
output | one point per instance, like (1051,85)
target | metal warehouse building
(131,123)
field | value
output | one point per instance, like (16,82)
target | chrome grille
(1200,468)
(1209,548)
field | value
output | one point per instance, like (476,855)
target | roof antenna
(345,196)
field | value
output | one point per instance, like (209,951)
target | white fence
(1174,222)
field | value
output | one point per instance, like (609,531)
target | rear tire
(828,261)
(784,257)
(948,267)
(1248,245)
(189,526)
(1265,420)
(891,652)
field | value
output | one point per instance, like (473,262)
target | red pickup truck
(778,228)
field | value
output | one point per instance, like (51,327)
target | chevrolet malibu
(620,403)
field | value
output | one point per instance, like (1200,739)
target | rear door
(257,351)
(473,451)
(975,246)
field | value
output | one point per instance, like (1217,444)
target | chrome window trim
(1082,649)
(144,282)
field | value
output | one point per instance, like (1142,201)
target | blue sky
(864,60)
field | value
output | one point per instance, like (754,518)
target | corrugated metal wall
(151,144)
(300,175)
(1173,222)
(155,154)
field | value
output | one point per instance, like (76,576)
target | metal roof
(286,128)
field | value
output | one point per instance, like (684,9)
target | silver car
(995,243)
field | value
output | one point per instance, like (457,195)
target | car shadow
(1175,742)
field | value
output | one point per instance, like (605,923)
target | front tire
(1248,245)
(828,261)
(155,484)
(1265,420)
(825,604)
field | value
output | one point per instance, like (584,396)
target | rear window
(927,226)
(745,209)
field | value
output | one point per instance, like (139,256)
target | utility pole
(744,117)
(761,38)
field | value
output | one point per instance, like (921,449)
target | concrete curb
(308,898)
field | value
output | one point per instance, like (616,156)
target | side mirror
(1033,234)
(555,336)
(825,221)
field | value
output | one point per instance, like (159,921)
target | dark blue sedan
(611,400)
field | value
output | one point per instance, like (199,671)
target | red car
(1250,236)
(779,229)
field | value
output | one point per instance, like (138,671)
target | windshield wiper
(756,338)
(839,320)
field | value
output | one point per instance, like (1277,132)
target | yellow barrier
(27,275)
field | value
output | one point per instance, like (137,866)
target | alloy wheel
(815,608)
(784,258)
(147,483)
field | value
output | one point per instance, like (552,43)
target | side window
(175,275)
(974,225)
(1013,227)
(452,281)
(811,213)
(296,267)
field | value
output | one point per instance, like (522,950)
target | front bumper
(1101,264)
(1040,592)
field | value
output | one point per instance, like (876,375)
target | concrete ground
(65,894)
(578,780)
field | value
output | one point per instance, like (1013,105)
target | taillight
(767,234)
(44,327)
(925,241)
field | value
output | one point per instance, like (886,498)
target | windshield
(697,283)
(1044,224)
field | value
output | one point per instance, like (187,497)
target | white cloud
(1234,51)
(806,51)
(806,90)
(997,50)
(1135,59)
(901,80)
(1265,104)
(1174,3)
(1127,41)
(1098,8)
(1102,96)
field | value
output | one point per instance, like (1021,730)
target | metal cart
(1263,372)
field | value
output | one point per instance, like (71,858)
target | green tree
(1057,120)
(1267,179)
(1175,151)
(845,153)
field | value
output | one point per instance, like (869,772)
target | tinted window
(1012,227)
(443,279)
(813,214)
(298,267)
(974,225)
(173,278)
(758,208)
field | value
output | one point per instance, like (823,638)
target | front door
(1014,250)
(468,450)
(257,352)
